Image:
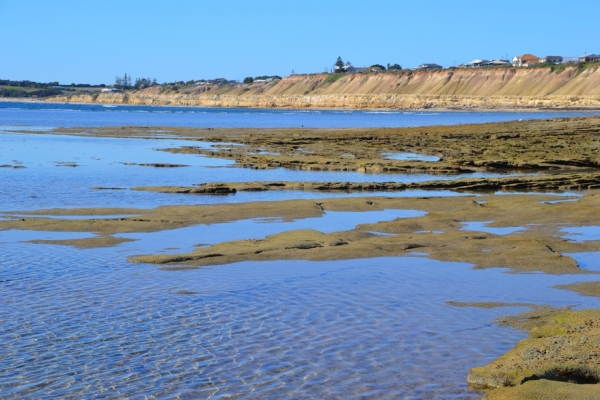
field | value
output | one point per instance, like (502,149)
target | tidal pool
(410,157)
(481,226)
(184,239)
(581,233)
(587,260)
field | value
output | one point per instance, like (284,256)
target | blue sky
(91,41)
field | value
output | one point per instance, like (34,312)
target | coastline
(590,109)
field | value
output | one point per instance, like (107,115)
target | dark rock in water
(12,166)
(186,292)
(67,164)
(157,165)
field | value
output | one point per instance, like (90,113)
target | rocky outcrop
(572,181)
(563,348)
(459,89)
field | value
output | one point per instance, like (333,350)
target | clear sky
(91,41)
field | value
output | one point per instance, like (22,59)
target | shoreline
(532,110)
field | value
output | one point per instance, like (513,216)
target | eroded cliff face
(458,89)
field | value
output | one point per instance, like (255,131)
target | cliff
(456,89)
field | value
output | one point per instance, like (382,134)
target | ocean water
(77,115)
(85,323)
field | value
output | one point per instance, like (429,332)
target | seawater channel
(85,323)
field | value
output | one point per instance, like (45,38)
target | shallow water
(482,226)
(185,239)
(581,233)
(15,235)
(101,163)
(84,323)
(410,157)
(587,260)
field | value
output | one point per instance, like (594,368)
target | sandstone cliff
(457,89)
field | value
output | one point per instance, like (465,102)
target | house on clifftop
(590,58)
(552,60)
(425,67)
(525,60)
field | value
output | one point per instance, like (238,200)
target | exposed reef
(86,243)
(560,359)
(441,233)
(156,165)
(573,181)
(536,145)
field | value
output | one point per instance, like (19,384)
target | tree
(378,66)
(339,65)
(248,79)
(394,66)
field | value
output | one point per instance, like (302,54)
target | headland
(565,88)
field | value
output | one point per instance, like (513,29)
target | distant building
(485,63)
(478,63)
(348,67)
(499,63)
(552,60)
(358,70)
(110,90)
(425,67)
(590,58)
(525,60)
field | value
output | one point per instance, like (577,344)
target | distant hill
(505,88)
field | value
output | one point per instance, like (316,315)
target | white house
(525,60)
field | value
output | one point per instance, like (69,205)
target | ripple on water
(78,323)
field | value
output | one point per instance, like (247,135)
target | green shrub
(333,78)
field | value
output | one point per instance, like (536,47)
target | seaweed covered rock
(566,348)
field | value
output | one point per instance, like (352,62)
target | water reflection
(481,226)
(581,233)
(410,157)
